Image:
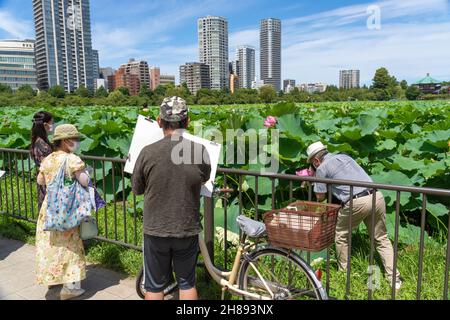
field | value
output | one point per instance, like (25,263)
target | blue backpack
(68,206)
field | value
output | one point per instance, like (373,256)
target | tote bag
(68,206)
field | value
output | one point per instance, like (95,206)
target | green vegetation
(385,87)
(129,262)
(401,143)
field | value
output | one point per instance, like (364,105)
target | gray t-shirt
(171,188)
(340,167)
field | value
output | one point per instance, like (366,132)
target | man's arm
(320,189)
(138,177)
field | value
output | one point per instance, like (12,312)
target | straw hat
(315,149)
(66,132)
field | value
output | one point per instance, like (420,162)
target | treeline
(384,88)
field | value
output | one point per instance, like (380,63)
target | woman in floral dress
(60,255)
(40,145)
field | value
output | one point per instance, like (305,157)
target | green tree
(186,89)
(26,91)
(329,89)
(83,92)
(5,88)
(244,96)
(57,92)
(116,98)
(124,90)
(160,90)
(383,80)
(101,92)
(413,93)
(267,94)
(45,99)
(404,84)
(384,85)
(145,92)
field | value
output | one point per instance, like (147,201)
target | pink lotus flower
(270,122)
(305,173)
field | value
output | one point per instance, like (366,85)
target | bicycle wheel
(281,272)
(140,289)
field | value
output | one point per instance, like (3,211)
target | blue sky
(319,37)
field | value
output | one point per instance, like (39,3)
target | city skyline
(318,39)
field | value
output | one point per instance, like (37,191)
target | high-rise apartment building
(245,69)
(270,55)
(96,64)
(213,49)
(196,76)
(155,76)
(133,75)
(17,64)
(63,44)
(349,79)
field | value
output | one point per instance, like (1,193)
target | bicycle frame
(227,279)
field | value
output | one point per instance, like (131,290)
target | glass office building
(17,64)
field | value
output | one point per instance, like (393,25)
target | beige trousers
(362,212)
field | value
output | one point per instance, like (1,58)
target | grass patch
(129,261)
(116,222)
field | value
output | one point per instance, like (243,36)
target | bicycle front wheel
(280,275)
(140,289)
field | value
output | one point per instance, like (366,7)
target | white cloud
(245,37)
(414,38)
(389,9)
(153,34)
(407,50)
(413,41)
(16,28)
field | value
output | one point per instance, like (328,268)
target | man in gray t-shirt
(343,167)
(170,174)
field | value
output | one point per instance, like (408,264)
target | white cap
(315,149)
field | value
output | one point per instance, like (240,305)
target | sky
(409,37)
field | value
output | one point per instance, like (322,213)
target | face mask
(75,148)
(49,128)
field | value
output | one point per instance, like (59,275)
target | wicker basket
(308,226)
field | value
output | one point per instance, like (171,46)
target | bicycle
(261,272)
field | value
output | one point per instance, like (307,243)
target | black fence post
(209,226)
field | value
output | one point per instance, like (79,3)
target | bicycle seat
(251,228)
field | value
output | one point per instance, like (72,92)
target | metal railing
(18,200)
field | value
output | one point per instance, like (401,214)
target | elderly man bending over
(343,167)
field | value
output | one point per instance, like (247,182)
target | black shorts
(163,256)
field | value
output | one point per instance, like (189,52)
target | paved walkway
(17,278)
